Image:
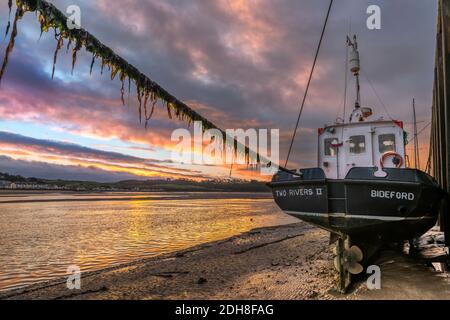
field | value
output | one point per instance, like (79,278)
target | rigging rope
(309,82)
(376,94)
(343,104)
(428,164)
(346,78)
(421,130)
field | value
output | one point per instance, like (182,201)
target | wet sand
(45,196)
(287,262)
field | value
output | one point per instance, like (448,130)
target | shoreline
(97,284)
(123,196)
(283,262)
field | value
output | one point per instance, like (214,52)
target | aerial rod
(355,67)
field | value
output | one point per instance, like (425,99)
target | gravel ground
(286,262)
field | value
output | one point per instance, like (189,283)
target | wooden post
(444,77)
(441,99)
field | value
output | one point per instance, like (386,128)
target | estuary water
(42,234)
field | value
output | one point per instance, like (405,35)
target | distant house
(5,184)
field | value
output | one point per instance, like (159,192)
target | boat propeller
(350,260)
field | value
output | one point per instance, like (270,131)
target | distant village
(13,182)
(10,185)
(28,186)
(17,182)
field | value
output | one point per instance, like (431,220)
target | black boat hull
(401,206)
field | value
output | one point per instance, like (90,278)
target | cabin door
(357,149)
(329,155)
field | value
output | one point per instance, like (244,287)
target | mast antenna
(355,67)
(358,114)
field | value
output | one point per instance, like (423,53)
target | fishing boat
(361,190)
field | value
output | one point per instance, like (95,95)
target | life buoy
(396,155)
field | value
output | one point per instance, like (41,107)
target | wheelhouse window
(357,144)
(330,147)
(386,142)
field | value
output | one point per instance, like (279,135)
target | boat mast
(416,139)
(355,67)
(358,114)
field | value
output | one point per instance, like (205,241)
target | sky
(240,63)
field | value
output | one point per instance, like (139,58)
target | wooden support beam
(440,147)
(444,87)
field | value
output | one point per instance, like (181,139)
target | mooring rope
(309,83)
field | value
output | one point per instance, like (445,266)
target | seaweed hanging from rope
(50,17)
(59,45)
(92,64)
(8,26)
(122,88)
(10,47)
(75,53)
(139,97)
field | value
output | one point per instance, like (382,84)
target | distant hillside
(18,182)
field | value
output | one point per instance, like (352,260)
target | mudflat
(285,262)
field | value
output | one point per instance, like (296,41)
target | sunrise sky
(240,63)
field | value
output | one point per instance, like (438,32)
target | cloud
(45,170)
(59,153)
(66,149)
(241,63)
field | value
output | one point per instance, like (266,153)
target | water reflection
(39,240)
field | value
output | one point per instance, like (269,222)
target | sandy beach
(287,262)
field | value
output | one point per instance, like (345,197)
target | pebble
(202,280)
